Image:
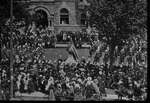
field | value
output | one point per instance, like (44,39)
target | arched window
(83,19)
(64,16)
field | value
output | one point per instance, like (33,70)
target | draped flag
(73,51)
(70,60)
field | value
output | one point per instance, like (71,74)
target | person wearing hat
(137,90)
(50,88)
(43,84)
(40,82)
(1,90)
(89,89)
(130,92)
(121,89)
(78,93)
(22,68)
(96,87)
(22,85)
(58,91)
(71,92)
(18,81)
(31,85)
(62,73)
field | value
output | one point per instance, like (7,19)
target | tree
(117,21)
(20,19)
(19,12)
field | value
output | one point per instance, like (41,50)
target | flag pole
(11,48)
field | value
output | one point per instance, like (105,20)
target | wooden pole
(11,48)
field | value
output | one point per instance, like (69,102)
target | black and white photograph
(73,50)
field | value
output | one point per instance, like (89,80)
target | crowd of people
(65,79)
(75,35)
(78,37)
(76,81)
(82,80)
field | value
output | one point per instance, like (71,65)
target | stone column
(49,24)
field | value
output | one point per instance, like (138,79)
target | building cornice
(45,1)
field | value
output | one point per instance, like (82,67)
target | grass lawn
(61,53)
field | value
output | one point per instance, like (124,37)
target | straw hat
(81,69)
(67,79)
(34,66)
(120,82)
(89,78)
(51,78)
(100,72)
(49,61)
(79,80)
(22,66)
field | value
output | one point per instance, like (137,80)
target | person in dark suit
(22,85)
(39,83)
(43,84)
(31,86)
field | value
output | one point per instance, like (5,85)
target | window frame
(83,18)
(64,16)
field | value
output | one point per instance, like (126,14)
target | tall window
(83,19)
(64,16)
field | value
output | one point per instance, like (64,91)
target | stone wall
(70,6)
(53,8)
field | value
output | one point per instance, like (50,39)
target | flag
(70,60)
(73,51)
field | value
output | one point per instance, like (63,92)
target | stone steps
(66,45)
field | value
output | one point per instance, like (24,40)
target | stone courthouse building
(61,15)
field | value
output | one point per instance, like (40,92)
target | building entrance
(41,18)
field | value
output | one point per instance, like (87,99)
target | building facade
(62,15)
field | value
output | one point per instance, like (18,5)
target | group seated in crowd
(76,81)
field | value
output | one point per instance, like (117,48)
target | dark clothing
(22,86)
(31,86)
(89,91)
